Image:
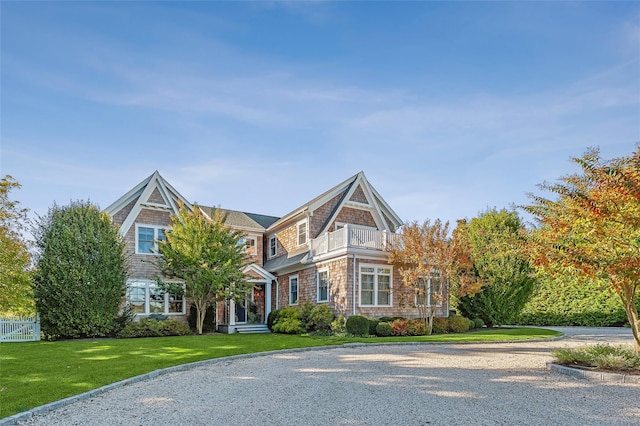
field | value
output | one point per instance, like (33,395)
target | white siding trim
(375,284)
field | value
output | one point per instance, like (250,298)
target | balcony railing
(352,237)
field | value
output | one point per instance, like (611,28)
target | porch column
(267,299)
(232,311)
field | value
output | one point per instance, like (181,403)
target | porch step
(253,328)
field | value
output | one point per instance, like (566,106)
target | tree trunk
(201,310)
(634,321)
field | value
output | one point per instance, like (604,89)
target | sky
(449,108)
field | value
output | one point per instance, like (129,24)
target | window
(323,285)
(375,285)
(272,246)
(249,244)
(147,237)
(429,291)
(293,290)
(146,298)
(136,296)
(302,232)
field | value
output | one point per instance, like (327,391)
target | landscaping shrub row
(320,319)
(584,319)
(155,327)
(308,319)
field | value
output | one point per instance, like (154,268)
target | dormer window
(302,232)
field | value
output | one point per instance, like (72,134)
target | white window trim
(318,285)
(294,302)
(148,285)
(155,238)
(306,238)
(375,284)
(275,246)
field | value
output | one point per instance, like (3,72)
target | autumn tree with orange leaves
(427,258)
(593,226)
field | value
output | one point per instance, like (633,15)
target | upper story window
(272,246)
(302,232)
(375,285)
(250,244)
(147,237)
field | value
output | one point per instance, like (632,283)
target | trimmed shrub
(373,323)
(383,329)
(358,325)
(399,327)
(458,324)
(569,300)
(174,328)
(209,324)
(440,325)
(320,319)
(478,323)
(305,316)
(389,319)
(338,325)
(405,327)
(148,327)
(288,326)
(158,317)
(416,327)
(288,321)
(272,318)
(79,282)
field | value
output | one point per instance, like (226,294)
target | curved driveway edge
(577,333)
(43,409)
(601,376)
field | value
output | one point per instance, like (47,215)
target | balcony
(351,237)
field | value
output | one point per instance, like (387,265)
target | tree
(15,282)
(425,257)
(496,244)
(80,276)
(593,226)
(206,255)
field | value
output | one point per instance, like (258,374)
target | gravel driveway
(425,384)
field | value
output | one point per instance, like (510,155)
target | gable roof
(375,203)
(153,193)
(243,220)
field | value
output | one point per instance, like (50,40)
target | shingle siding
(356,217)
(358,196)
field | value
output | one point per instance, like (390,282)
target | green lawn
(36,373)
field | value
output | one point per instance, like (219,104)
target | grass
(36,373)
(601,356)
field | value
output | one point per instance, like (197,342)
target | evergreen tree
(497,241)
(80,276)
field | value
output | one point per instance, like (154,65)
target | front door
(241,311)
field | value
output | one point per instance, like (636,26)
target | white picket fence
(22,329)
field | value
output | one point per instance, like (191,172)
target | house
(330,250)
